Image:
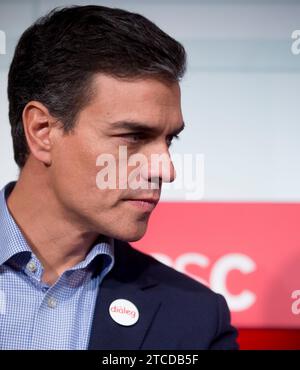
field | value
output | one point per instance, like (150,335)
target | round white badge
(124,312)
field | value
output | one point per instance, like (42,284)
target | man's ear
(38,123)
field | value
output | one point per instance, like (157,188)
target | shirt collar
(13,242)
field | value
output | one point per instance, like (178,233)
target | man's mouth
(144,204)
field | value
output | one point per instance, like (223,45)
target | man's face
(140,116)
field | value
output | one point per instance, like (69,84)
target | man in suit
(93,92)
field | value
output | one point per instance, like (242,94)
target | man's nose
(160,167)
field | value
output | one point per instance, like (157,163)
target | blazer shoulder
(143,265)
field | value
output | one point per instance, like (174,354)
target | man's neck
(57,240)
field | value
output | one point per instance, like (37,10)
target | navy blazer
(175,311)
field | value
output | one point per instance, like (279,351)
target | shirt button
(31,266)
(52,303)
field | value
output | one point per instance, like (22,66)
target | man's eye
(134,137)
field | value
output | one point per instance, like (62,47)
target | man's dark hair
(57,56)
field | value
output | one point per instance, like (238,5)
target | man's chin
(130,230)
(131,235)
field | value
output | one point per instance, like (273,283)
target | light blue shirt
(34,315)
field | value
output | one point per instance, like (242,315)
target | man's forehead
(119,108)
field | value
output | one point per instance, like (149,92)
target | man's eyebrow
(143,127)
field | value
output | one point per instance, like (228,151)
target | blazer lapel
(127,280)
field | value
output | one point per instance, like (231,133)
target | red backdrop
(249,252)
